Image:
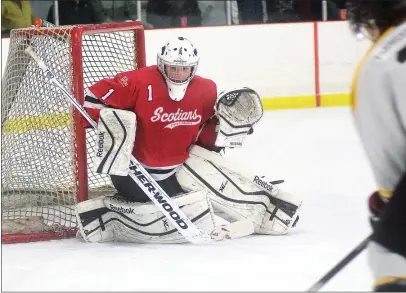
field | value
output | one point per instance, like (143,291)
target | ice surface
(316,152)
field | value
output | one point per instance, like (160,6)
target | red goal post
(46,153)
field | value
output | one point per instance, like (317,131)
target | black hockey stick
(327,277)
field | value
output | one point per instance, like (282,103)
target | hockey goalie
(176,125)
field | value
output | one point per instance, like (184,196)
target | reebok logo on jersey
(122,210)
(123,80)
(176,119)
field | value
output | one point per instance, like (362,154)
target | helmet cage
(162,64)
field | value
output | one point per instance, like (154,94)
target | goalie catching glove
(237,111)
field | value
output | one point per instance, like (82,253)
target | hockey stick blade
(338,267)
(137,172)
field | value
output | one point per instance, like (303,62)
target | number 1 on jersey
(108,94)
(150,93)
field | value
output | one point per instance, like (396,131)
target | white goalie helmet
(177,60)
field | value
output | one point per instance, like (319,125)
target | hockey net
(46,153)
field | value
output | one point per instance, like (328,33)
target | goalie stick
(137,172)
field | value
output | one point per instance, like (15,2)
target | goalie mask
(177,61)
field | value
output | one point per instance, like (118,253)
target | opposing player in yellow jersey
(379,108)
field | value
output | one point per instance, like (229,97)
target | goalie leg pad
(281,215)
(93,219)
(115,141)
(143,222)
(235,197)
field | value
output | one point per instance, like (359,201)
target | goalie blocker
(116,134)
(221,200)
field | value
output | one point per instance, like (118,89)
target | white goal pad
(111,218)
(235,197)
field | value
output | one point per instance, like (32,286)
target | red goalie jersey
(165,128)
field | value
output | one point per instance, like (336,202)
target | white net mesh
(41,177)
